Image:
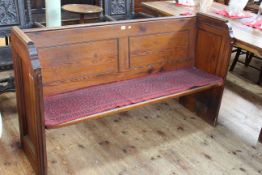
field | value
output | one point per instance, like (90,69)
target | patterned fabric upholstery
(96,99)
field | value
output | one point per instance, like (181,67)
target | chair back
(119,9)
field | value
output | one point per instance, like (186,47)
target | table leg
(82,18)
(260,136)
(1,126)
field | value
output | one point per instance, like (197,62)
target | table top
(82,8)
(246,37)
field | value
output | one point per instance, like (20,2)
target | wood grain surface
(59,60)
(81,57)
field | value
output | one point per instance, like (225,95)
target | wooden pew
(76,73)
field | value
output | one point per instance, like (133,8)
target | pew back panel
(86,56)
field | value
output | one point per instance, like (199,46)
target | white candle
(53,13)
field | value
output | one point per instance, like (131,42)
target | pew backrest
(78,57)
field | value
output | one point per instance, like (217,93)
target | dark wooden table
(82,10)
(246,37)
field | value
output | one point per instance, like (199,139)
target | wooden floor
(162,139)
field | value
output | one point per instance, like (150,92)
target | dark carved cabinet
(12,13)
(121,10)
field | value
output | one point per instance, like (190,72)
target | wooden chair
(121,10)
(17,15)
(254,7)
(248,58)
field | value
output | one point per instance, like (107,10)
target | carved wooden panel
(117,7)
(12,13)
(8,12)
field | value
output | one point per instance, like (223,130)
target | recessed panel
(78,62)
(159,49)
(208,56)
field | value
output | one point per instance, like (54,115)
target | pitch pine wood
(115,62)
(36,52)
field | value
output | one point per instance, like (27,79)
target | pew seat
(82,104)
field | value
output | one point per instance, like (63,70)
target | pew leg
(33,144)
(31,121)
(205,104)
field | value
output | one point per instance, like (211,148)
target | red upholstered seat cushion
(84,102)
